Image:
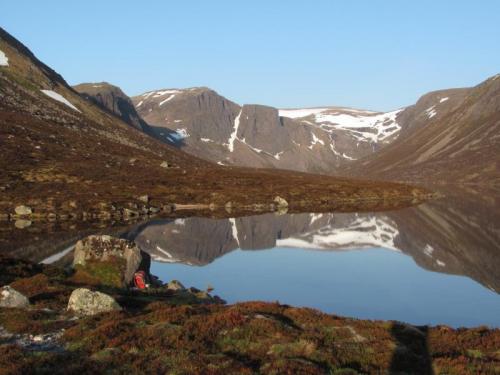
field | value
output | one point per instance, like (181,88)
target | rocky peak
(113,100)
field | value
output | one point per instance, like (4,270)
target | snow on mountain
(4,61)
(54,95)
(364,231)
(363,125)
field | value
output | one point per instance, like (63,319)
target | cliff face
(112,99)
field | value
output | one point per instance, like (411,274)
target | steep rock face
(112,99)
(451,137)
(214,128)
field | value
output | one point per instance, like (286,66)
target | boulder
(107,260)
(165,164)
(86,302)
(23,210)
(9,297)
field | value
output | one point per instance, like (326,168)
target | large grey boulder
(9,297)
(86,302)
(109,260)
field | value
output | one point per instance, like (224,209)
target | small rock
(143,198)
(280,202)
(175,285)
(23,210)
(22,223)
(165,164)
(128,213)
(132,160)
(9,297)
(154,210)
(86,302)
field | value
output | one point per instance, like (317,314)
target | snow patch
(297,113)
(442,100)
(314,141)
(234,230)
(166,100)
(428,250)
(431,112)
(206,140)
(278,155)
(233,135)
(181,133)
(139,104)
(54,95)
(4,60)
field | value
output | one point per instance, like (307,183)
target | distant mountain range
(430,141)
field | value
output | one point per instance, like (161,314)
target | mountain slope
(452,136)
(214,128)
(63,156)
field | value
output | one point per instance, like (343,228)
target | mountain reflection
(458,235)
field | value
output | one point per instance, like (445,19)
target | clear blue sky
(369,54)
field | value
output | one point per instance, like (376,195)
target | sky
(371,54)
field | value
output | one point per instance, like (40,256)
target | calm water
(438,263)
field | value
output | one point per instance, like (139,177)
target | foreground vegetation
(180,332)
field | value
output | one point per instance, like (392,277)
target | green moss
(109,273)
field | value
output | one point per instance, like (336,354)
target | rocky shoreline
(89,318)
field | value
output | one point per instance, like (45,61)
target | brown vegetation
(166,332)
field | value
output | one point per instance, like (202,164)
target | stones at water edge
(9,297)
(175,285)
(107,260)
(23,210)
(143,198)
(22,223)
(281,205)
(85,302)
(280,202)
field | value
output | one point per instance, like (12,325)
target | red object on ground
(140,280)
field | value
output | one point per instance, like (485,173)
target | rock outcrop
(113,100)
(107,260)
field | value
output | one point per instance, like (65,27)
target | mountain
(64,157)
(448,136)
(417,143)
(112,99)
(215,128)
